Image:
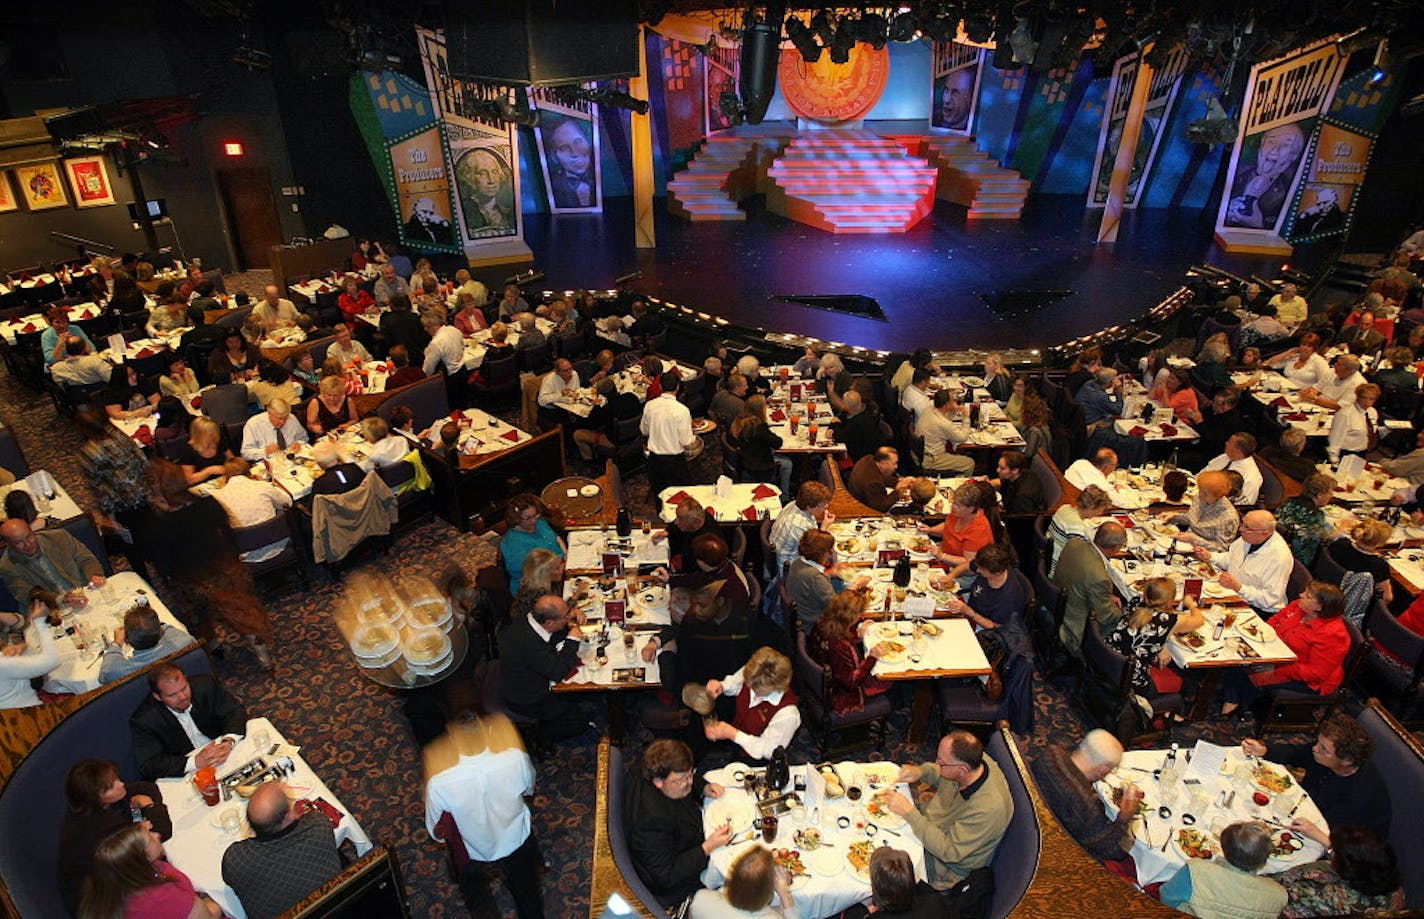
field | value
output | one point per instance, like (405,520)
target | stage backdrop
(1283,100)
(402,137)
(1339,156)
(1165,83)
(567,135)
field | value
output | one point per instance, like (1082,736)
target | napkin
(457,415)
(1168,430)
(750,513)
(143,435)
(197,402)
(678,498)
(323,289)
(776,414)
(711,512)
(1294,416)
(29,327)
(1280,402)
(763,491)
(145,352)
(1137,431)
(511,436)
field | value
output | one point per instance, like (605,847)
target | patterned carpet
(354,734)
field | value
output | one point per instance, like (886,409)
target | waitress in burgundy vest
(766,713)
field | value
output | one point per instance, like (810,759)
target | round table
(556,497)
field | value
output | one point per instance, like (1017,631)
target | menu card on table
(886,558)
(612,563)
(1207,758)
(1192,588)
(614,610)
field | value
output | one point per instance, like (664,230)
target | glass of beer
(769,825)
(795,421)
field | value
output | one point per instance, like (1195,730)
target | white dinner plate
(739,812)
(589,491)
(825,862)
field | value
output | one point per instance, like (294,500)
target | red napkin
(776,414)
(1125,520)
(711,512)
(1137,430)
(750,513)
(678,498)
(1280,402)
(763,491)
(143,435)
(145,352)
(457,415)
(29,327)
(322,288)
(511,436)
(1169,430)
(1294,416)
(197,402)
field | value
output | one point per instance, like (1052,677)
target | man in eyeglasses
(960,827)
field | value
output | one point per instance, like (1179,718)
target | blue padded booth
(1016,860)
(618,838)
(32,803)
(1399,755)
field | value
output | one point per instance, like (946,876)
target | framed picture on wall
(41,186)
(90,181)
(8,202)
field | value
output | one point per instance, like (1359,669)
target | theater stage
(931,282)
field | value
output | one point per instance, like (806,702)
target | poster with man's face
(485,182)
(954,99)
(1265,175)
(568,144)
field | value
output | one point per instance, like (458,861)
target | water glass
(1170,793)
(1170,775)
(1243,776)
(1281,806)
(262,739)
(798,814)
(231,821)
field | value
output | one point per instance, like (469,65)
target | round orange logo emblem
(825,91)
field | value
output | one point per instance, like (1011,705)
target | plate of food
(884,574)
(1271,780)
(590,491)
(1191,842)
(1195,641)
(702,425)
(1116,797)
(859,858)
(1284,845)
(972,381)
(848,546)
(652,596)
(880,812)
(878,775)
(790,859)
(808,838)
(920,545)
(894,652)
(739,814)
(1256,631)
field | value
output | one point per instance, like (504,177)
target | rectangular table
(586,548)
(830,885)
(759,497)
(61,506)
(198,841)
(78,670)
(953,653)
(475,349)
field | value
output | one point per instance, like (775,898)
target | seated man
(1084,472)
(1238,456)
(274,310)
(713,637)
(1211,520)
(292,852)
(1101,398)
(814,577)
(766,714)
(446,351)
(535,652)
(1229,887)
(729,401)
(810,511)
(48,565)
(944,426)
(1339,777)
(1411,465)
(593,433)
(271,431)
(1065,780)
(1338,388)
(346,350)
(1257,564)
(874,481)
(916,397)
(1082,573)
(689,522)
(711,562)
(1287,458)
(1215,426)
(859,427)
(147,636)
(1019,487)
(562,383)
(962,824)
(663,804)
(339,475)
(479,774)
(79,367)
(184,724)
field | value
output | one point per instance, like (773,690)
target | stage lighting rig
(873,29)
(1022,43)
(978,29)
(804,40)
(821,25)
(904,27)
(1215,128)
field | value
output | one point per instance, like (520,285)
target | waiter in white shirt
(667,425)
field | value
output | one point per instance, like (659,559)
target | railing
(88,244)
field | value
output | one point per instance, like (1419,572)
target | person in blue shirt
(52,338)
(528,529)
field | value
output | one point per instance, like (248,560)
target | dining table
(50,498)
(202,833)
(827,839)
(589,547)
(481,434)
(1207,789)
(738,502)
(475,345)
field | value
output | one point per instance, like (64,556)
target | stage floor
(931,282)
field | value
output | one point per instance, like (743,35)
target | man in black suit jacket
(540,649)
(162,744)
(859,430)
(401,326)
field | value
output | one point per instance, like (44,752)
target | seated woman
(1211,520)
(179,381)
(543,574)
(128,395)
(1038,437)
(894,892)
(1301,519)
(997,378)
(836,642)
(202,457)
(383,448)
(529,529)
(354,301)
(1229,885)
(1210,373)
(131,877)
(304,372)
(1076,519)
(1360,876)
(997,601)
(766,716)
(99,803)
(170,317)
(1359,551)
(469,318)
(18,664)
(331,410)
(1013,408)
(1141,636)
(250,502)
(1302,364)
(273,382)
(1311,627)
(968,528)
(232,362)
(753,878)
(20,506)
(1176,393)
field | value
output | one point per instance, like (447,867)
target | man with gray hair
(147,636)
(535,653)
(729,401)
(1336,390)
(1101,398)
(1239,455)
(1230,887)
(529,334)
(1065,779)
(268,432)
(1082,573)
(1257,565)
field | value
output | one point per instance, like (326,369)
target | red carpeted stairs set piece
(850,181)
(968,176)
(727,169)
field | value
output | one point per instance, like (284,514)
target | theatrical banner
(1339,156)
(481,149)
(89,178)
(398,123)
(955,90)
(721,66)
(1283,99)
(567,135)
(1162,95)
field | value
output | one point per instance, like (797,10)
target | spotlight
(873,29)
(1380,65)
(1022,44)
(803,39)
(1215,128)
(942,28)
(903,27)
(821,25)
(517,110)
(843,42)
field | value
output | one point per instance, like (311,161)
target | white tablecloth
(62,507)
(78,671)
(724,510)
(475,344)
(954,650)
(198,843)
(586,548)
(482,433)
(816,895)
(1154,864)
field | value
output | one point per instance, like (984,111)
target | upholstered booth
(1399,755)
(610,762)
(426,400)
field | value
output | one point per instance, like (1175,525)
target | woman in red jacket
(354,301)
(835,643)
(1311,627)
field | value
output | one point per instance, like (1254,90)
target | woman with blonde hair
(836,643)
(543,573)
(132,877)
(1361,552)
(202,457)
(753,878)
(766,713)
(1141,636)
(757,443)
(997,378)
(331,410)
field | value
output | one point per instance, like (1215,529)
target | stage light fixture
(873,29)
(978,29)
(517,110)
(843,42)
(1215,128)
(821,25)
(804,40)
(1022,44)
(904,27)
(1381,63)
(761,41)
